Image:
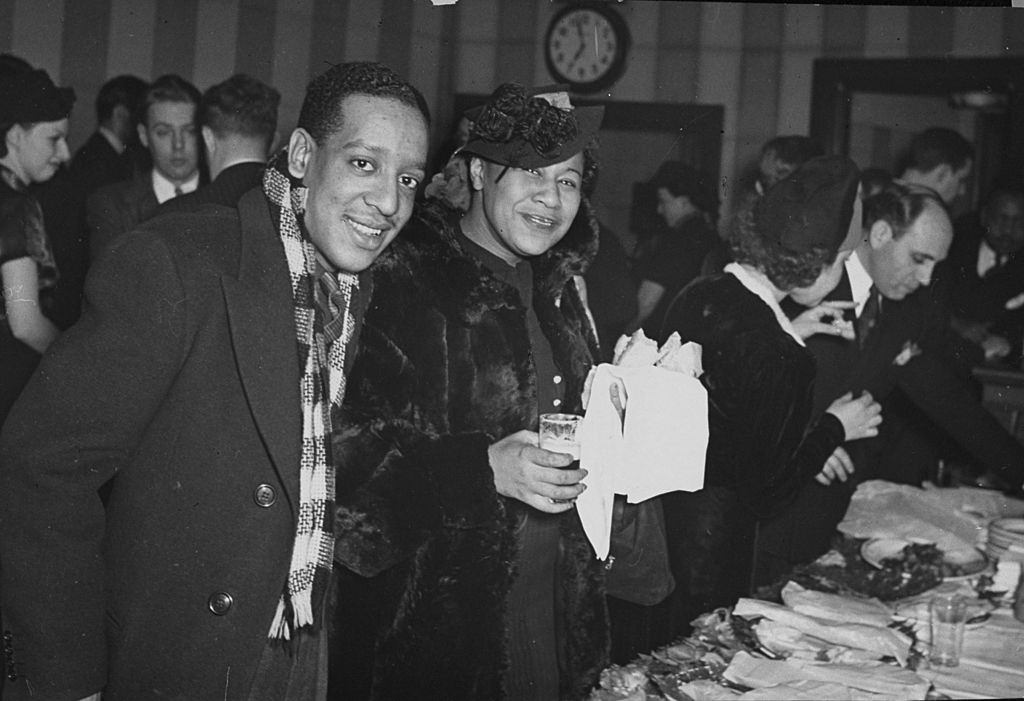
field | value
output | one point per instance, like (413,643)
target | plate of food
(956,564)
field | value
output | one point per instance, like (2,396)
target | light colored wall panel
(721,25)
(476,66)
(37,33)
(642,19)
(978,31)
(886,32)
(479,20)
(637,83)
(217,23)
(718,83)
(292,39)
(363,31)
(803,26)
(795,91)
(130,48)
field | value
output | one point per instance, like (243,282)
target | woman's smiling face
(523,213)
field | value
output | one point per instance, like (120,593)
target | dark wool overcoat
(428,547)
(180,385)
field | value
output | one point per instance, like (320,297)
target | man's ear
(880,234)
(208,141)
(476,173)
(143,136)
(301,148)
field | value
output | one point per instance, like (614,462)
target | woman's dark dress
(759,382)
(22,235)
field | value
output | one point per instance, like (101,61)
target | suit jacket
(907,361)
(184,393)
(117,209)
(226,189)
(96,164)
(980,299)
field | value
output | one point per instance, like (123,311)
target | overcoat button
(220,603)
(264,496)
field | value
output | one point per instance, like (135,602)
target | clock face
(585,48)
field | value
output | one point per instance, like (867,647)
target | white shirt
(164,188)
(759,288)
(987,258)
(860,282)
(112,139)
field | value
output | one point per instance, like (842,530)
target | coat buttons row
(220,603)
(264,495)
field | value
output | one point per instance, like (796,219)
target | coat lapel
(262,326)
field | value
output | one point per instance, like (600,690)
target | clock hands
(583,44)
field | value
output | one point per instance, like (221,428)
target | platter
(957,565)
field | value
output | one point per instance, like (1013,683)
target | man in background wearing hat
(201,384)
(901,355)
(688,205)
(482,584)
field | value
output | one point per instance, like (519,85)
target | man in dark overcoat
(201,383)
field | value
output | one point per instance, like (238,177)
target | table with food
(922,596)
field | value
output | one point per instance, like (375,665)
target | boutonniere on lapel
(910,350)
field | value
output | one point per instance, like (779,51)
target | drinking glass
(948,614)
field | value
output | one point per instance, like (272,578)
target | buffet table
(854,624)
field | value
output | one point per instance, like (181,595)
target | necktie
(868,316)
(178,192)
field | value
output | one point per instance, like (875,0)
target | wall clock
(586,46)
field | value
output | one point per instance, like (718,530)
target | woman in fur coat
(465,573)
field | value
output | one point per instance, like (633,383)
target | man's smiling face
(362,179)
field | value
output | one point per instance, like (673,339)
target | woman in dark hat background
(669,259)
(34,123)
(758,374)
(481,584)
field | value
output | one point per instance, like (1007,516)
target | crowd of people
(286,446)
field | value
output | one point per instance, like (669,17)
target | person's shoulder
(209,236)
(119,192)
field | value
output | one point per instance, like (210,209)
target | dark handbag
(638,568)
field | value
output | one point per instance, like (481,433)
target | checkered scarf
(322,384)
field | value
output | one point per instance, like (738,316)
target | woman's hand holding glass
(534,476)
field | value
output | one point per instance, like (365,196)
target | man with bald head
(901,354)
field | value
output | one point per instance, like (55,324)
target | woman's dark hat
(812,206)
(530,129)
(30,96)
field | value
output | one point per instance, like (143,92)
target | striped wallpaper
(755,59)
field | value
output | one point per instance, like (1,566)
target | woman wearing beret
(477,581)
(34,123)
(758,373)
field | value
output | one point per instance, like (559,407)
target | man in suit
(239,124)
(940,159)
(110,154)
(901,355)
(983,279)
(168,131)
(202,381)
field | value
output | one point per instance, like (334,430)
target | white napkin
(660,447)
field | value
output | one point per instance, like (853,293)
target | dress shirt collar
(860,282)
(761,290)
(164,188)
(987,258)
